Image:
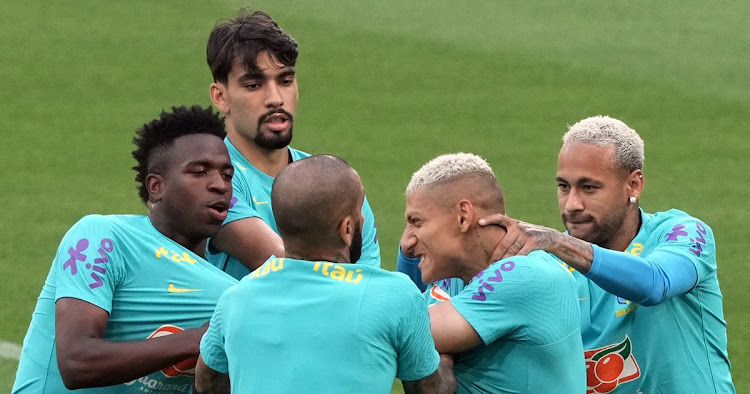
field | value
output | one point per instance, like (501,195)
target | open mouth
(219,209)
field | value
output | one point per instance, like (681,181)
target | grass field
(387,86)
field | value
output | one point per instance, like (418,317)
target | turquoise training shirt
(320,327)
(676,346)
(252,198)
(525,310)
(149,285)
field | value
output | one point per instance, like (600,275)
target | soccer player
(318,323)
(253,65)
(514,325)
(652,318)
(128,296)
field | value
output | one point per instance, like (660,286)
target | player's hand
(521,238)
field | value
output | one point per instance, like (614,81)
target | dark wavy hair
(245,37)
(154,138)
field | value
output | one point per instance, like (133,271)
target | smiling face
(259,106)
(190,198)
(432,234)
(593,194)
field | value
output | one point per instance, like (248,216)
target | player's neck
(305,253)
(267,161)
(482,241)
(627,232)
(165,227)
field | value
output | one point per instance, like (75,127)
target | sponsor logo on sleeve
(609,366)
(697,242)
(96,268)
(493,277)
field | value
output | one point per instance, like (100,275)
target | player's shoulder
(298,154)
(394,284)
(108,222)
(668,220)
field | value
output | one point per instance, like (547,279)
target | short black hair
(245,37)
(155,137)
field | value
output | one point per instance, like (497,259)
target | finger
(505,243)
(497,219)
(514,248)
(527,248)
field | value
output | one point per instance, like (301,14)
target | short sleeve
(492,302)
(88,262)
(239,206)
(212,343)
(691,238)
(370,246)
(417,357)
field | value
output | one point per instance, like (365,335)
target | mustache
(265,116)
(577,218)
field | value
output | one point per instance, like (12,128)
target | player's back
(296,325)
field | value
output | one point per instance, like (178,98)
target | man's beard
(602,231)
(355,249)
(276,141)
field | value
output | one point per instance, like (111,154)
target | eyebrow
(578,181)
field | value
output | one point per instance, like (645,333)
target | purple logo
(232,202)
(375,226)
(497,278)
(98,267)
(76,254)
(699,241)
(677,231)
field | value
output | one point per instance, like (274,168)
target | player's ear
(155,187)
(218,92)
(465,215)
(346,230)
(635,182)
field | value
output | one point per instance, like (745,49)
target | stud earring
(633,200)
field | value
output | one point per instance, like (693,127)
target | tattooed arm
(647,280)
(523,238)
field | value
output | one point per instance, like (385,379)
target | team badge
(609,366)
(182,368)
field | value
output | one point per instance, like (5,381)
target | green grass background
(387,86)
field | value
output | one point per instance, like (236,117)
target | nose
(217,183)
(573,201)
(273,96)
(408,242)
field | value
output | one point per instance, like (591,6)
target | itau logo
(609,366)
(184,367)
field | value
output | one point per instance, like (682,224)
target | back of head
(604,131)
(311,196)
(154,139)
(244,37)
(456,176)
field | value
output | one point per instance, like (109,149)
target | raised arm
(646,280)
(87,360)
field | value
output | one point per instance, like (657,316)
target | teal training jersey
(525,310)
(678,346)
(149,284)
(320,327)
(252,198)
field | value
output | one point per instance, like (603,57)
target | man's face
(592,192)
(260,107)
(431,233)
(197,185)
